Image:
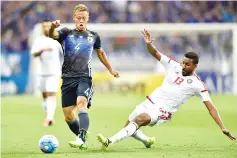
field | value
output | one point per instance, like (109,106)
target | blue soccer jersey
(78,47)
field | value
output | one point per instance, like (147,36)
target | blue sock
(74,126)
(84,124)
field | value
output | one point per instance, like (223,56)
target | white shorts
(158,114)
(49,83)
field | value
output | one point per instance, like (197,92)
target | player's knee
(81,100)
(143,119)
(81,107)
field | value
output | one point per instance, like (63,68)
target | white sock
(140,136)
(44,105)
(51,106)
(124,133)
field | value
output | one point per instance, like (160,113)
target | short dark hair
(192,55)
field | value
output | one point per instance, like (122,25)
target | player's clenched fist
(115,73)
(56,23)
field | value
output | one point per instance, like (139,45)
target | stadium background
(17,26)
(140,74)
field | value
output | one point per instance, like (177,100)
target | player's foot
(47,123)
(150,142)
(78,143)
(104,141)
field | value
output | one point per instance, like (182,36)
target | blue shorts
(73,87)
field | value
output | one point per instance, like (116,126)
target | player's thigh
(138,110)
(141,109)
(85,90)
(51,84)
(42,84)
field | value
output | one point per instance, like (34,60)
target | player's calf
(83,117)
(70,119)
(49,105)
(141,120)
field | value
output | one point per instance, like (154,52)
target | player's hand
(226,132)
(147,37)
(115,73)
(56,23)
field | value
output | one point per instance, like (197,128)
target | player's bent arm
(53,33)
(153,51)
(103,58)
(214,113)
(38,53)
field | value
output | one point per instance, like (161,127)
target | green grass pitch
(190,133)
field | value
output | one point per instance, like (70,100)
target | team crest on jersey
(189,81)
(90,39)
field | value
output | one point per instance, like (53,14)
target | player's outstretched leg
(147,141)
(141,120)
(140,136)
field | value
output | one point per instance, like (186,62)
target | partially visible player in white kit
(180,84)
(48,51)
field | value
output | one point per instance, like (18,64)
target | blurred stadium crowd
(18,21)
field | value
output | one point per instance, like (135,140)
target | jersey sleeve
(202,92)
(63,34)
(36,47)
(97,44)
(167,62)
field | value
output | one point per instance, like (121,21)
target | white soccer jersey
(49,60)
(176,88)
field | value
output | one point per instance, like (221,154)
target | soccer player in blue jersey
(77,88)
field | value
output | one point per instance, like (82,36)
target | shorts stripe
(91,91)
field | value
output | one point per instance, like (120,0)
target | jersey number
(164,115)
(78,46)
(178,80)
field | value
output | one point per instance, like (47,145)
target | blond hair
(80,7)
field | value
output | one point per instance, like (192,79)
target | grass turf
(190,133)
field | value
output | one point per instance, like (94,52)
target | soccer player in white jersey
(48,51)
(180,84)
